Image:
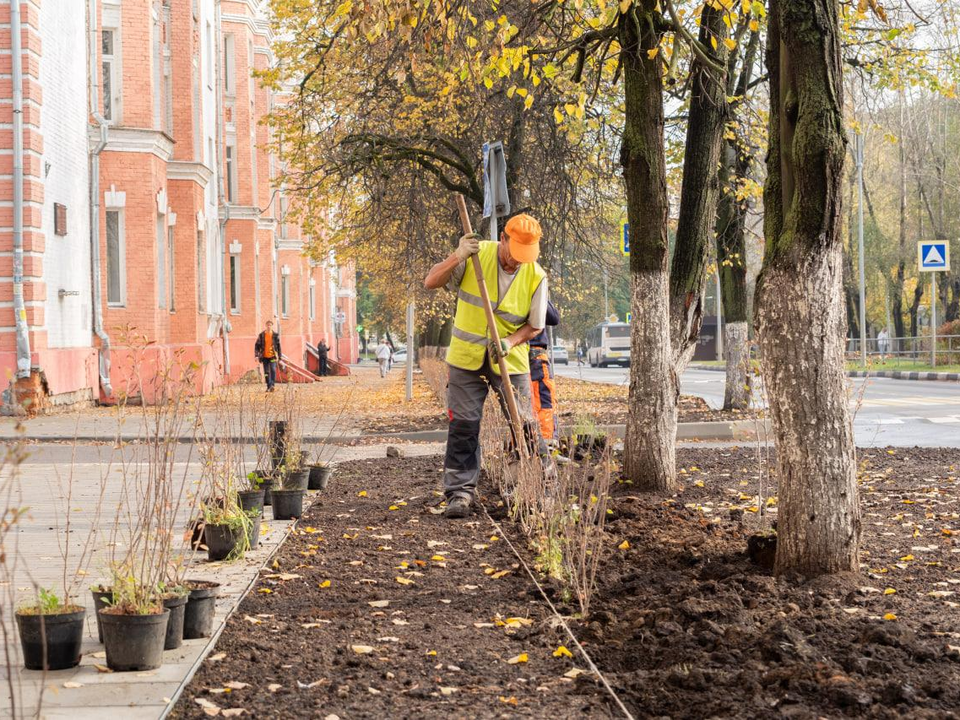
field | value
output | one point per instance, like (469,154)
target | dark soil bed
(689,627)
(683,624)
(294,640)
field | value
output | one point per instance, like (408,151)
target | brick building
(152,224)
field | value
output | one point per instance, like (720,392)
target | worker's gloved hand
(469,245)
(498,351)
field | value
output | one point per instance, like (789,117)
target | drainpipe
(19,307)
(223,208)
(101,123)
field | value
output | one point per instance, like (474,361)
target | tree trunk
(649,451)
(850,289)
(732,264)
(698,194)
(731,232)
(800,319)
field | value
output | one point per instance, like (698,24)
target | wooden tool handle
(494,334)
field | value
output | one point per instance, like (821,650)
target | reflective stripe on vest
(470,335)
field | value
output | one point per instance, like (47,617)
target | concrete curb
(889,374)
(740,430)
(906,375)
(721,430)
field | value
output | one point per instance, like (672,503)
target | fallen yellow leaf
(325,584)
(362,493)
(405,581)
(521,658)
(890,616)
(889,591)
(562,652)
(625,545)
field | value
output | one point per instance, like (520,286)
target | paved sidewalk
(84,692)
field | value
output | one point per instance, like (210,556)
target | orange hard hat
(524,233)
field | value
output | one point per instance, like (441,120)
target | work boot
(457,508)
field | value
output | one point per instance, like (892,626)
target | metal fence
(894,351)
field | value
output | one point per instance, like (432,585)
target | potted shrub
(320,473)
(174,599)
(135,625)
(295,475)
(287,504)
(200,608)
(251,497)
(587,439)
(227,529)
(51,632)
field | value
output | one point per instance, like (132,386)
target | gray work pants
(466,393)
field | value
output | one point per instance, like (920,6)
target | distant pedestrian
(267,351)
(322,351)
(883,343)
(383,357)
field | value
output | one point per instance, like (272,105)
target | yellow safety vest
(468,344)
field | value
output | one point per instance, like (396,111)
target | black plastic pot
(297,480)
(267,491)
(287,504)
(176,604)
(254,532)
(102,598)
(251,500)
(61,635)
(221,540)
(134,642)
(200,609)
(319,477)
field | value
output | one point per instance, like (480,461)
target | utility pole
(606,301)
(933,319)
(719,318)
(863,289)
(410,350)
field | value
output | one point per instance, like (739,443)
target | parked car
(400,357)
(560,355)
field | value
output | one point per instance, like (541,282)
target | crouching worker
(517,287)
(541,379)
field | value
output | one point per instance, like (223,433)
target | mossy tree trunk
(801,316)
(649,453)
(698,194)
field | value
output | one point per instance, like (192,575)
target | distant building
(142,126)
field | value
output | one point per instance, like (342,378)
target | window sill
(234,312)
(116,306)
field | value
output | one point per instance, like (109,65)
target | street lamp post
(863,289)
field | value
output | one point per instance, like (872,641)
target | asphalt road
(902,413)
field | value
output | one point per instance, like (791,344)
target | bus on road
(609,344)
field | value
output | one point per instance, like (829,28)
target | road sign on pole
(625,239)
(933,256)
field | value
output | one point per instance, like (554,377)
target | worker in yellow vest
(517,287)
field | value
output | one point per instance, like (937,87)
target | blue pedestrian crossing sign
(629,317)
(625,238)
(933,255)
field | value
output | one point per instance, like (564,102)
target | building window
(285,295)
(231,172)
(112,78)
(235,284)
(171,274)
(161,261)
(116,271)
(313,309)
(229,65)
(210,47)
(201,274)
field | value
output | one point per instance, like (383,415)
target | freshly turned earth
(683,624)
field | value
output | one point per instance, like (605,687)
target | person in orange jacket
(544,397)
